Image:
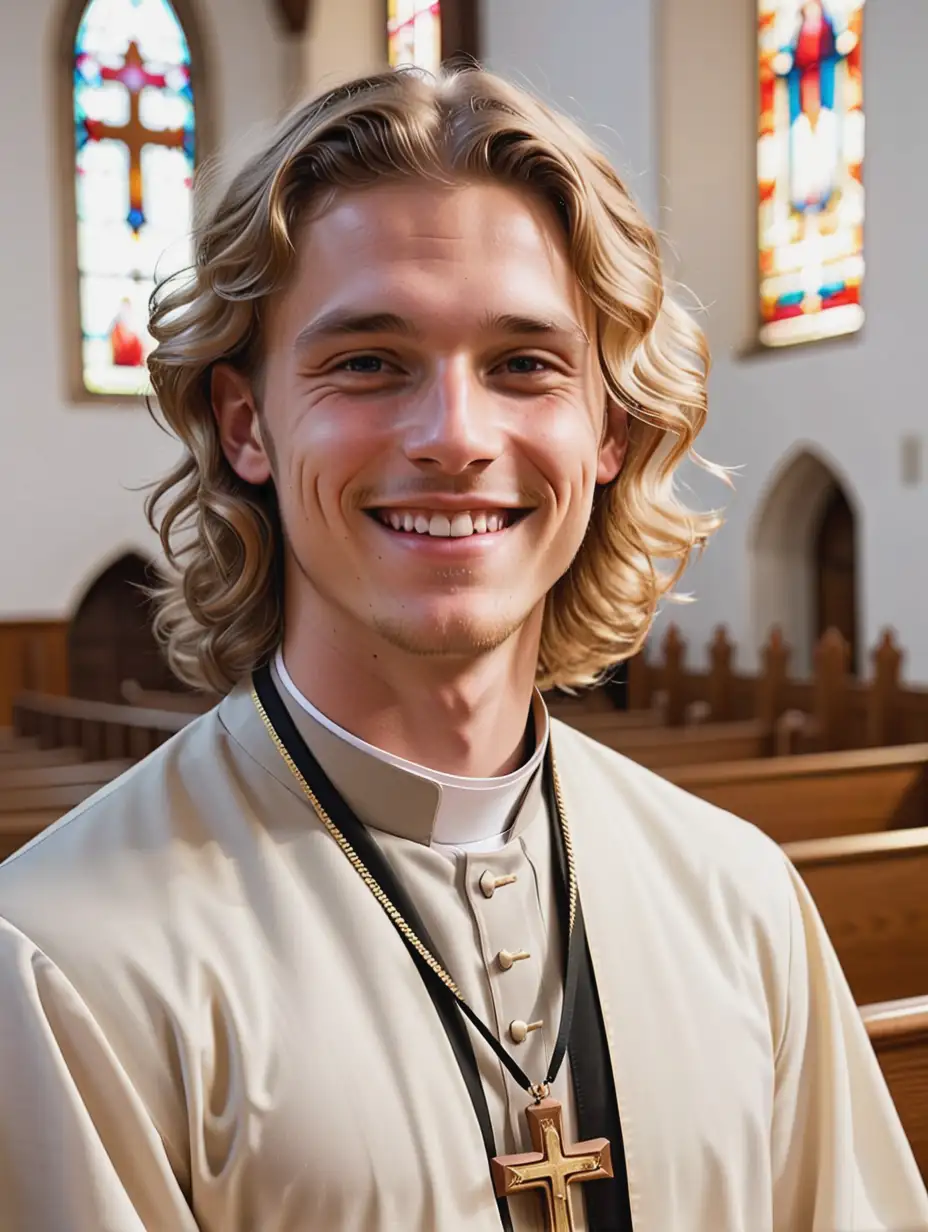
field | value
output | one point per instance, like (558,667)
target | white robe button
(506,958)
(518,1030)
(489,883)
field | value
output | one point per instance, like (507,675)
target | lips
(458,524)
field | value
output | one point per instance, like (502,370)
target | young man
(354,938)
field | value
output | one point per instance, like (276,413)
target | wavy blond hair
(220,611)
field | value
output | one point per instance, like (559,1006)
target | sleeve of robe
(841,1160)
(78,1150)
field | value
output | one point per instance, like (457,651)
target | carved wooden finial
(721,653)
(884,719)
(771,684)
(833,654)
(673,644)
(721,648)
(887,658)
(832,660)
(674,649)
(776,651)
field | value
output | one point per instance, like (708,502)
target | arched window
(810,169)
(133,112)
(426,32)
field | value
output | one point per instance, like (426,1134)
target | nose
(454,424)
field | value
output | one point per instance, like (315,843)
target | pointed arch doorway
(111,640)
(835,564)
(804,559)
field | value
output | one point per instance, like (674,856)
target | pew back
(16,829)
(60,774)
(898,1031)
(57,798)
(872,893)
(660,748)
(819,795)
(99,729)
(36,759)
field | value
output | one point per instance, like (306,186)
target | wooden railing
(833,710)
(99,730)
(898,1031)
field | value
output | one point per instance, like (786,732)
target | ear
(239,426)
(614,444)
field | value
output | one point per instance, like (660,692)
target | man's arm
(841,1161)
(78,1151)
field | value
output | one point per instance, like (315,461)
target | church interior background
(778,145)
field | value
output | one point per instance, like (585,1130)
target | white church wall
(345,39)
(596,60)
(69,474)
(853,400)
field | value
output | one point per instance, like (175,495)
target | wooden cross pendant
(551,1167)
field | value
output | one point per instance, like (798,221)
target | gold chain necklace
(553,1166)
(371,882)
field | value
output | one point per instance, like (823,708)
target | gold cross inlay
(552,1167)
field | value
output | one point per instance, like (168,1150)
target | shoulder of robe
(672,832)
(172,831)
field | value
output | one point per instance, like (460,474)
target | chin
(461,635)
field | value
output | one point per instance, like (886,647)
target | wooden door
(836,572)
(111,639)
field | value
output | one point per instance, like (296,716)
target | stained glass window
(809,169)
(414,33)
(134,129)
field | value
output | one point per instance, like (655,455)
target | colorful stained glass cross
(133,74)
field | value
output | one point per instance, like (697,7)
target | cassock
(208,1022)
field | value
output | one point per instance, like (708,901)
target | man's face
(434,410)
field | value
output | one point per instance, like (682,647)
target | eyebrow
(534,327)
(343,323)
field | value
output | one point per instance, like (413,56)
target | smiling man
(374,946)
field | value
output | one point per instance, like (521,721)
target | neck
(465,718)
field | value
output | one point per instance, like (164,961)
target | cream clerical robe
(207,1022)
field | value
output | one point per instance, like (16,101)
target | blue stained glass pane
(810,156)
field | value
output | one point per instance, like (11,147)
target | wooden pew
(872,893)
(32,799)
(161,699)
(898,1031)
(33,758)
(16,829)
(100,730)
(594,722)
(10,742)
(697,744)
(819,795)
(41,798)
(61,774)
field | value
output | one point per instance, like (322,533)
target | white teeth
(441,526)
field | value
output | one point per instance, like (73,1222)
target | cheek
(330,455)
(563,443)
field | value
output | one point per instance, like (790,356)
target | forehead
(416,249)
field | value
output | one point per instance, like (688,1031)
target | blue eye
(524,365)
(365,364)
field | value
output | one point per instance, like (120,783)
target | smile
(460,524)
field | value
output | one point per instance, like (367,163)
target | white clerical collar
(474,814)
